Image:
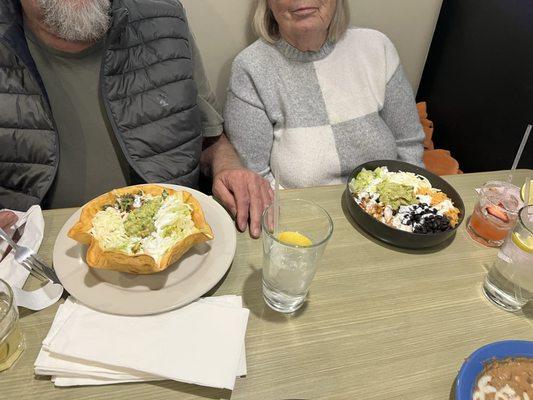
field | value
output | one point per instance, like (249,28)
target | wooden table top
(379,322)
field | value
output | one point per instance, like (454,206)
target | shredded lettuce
(108,229)
(173,222)
(174,218)
(409,179)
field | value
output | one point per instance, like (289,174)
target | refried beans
(509,379)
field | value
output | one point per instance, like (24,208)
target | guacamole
(140,222)
(364,179)
(395,194)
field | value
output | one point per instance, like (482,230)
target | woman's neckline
(292,53)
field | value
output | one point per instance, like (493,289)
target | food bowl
(397,237)
(473,366)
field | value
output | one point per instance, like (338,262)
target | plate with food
(403,205)
(500,370)
(144,249)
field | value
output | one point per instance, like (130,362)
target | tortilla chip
(137,263)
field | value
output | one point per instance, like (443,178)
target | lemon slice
(525,243)
(294,239)
(523,193)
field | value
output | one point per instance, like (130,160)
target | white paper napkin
(64,381)
(202,343)
(16,275)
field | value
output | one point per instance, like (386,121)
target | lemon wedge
(525,243)
(523,193)
(294,239)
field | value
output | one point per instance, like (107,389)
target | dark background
(478,82)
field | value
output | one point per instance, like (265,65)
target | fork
(29,260)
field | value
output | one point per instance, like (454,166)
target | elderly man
(98,94)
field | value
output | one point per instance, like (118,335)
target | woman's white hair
(266,26)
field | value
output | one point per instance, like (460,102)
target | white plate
(200,269)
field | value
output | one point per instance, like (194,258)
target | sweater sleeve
(246,122)
(399,111)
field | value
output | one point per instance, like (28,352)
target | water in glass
(287,274)
(291,251)
(509,282)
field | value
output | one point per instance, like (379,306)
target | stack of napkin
(202,343)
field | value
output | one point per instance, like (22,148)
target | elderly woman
(311,99)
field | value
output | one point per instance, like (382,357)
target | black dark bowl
(397,237)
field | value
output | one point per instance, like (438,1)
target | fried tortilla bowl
(136,263)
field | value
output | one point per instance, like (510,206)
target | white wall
(222,29)
(408,23)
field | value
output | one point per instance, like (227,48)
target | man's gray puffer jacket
(148,92)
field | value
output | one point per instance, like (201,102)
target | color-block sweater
(312,117)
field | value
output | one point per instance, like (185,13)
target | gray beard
(76,20)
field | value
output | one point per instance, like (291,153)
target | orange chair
(438,161)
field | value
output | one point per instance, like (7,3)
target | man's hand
(7,218)
(245,194)
(242,191)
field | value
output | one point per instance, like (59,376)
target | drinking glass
(495,213)
(509,282)
(290,265)
(11,338)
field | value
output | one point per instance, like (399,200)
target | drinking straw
(519,153)
(527,194)
(275,173)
